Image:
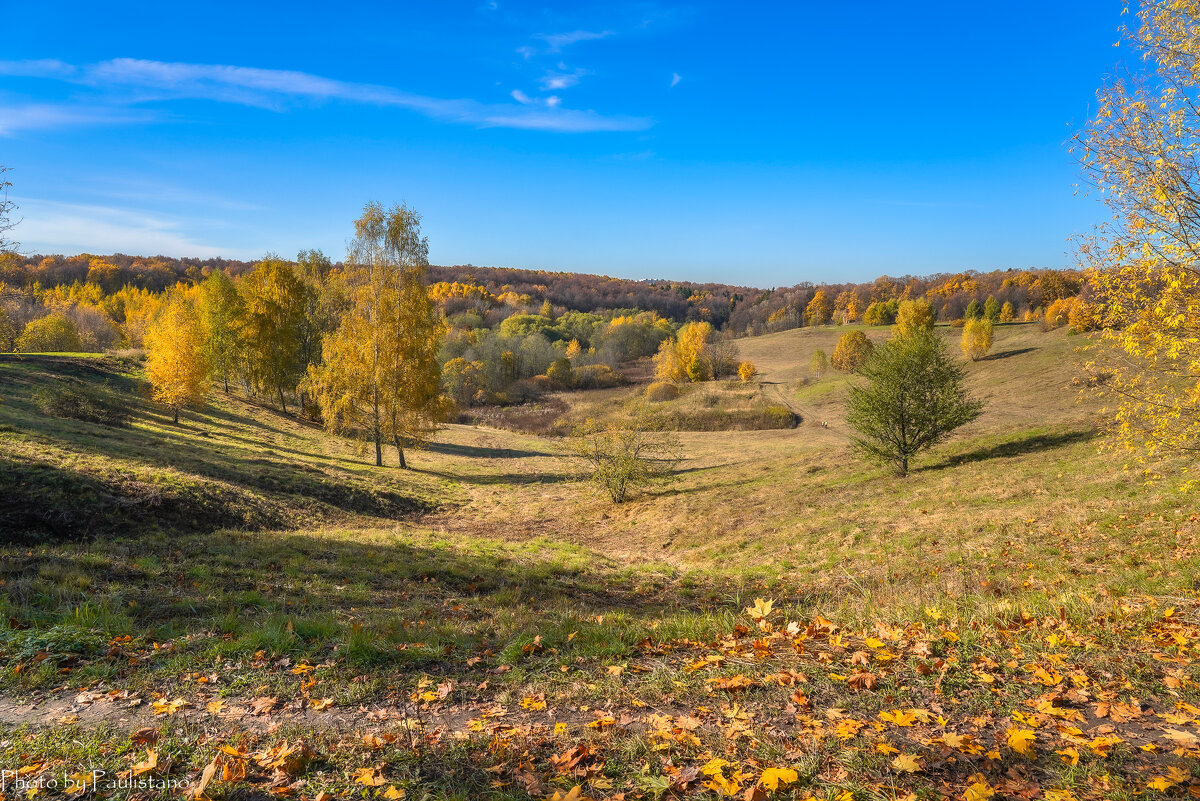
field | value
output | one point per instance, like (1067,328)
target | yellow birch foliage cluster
(688,357)
(977,338)
(1142,151)
(175,356)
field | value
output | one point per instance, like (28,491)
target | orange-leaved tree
(175,356)
(851,351)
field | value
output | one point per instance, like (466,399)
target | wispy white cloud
(48,116)
(51,226)
(557,41)
(561,78)
(521,97)
(134,81)
(676,78)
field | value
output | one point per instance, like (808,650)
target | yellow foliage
(977,338)
(820,308)
(175,362)
(747,371)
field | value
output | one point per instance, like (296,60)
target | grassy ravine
(1019,617)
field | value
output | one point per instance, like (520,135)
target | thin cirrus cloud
(47,116)
(555,42)
(130,81)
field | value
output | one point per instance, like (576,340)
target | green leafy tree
(275,300)
(991,309)
(818,363)
(974,311)
(220,310)
(54,333)
(912,398)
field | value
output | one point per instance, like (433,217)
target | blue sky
(758,143)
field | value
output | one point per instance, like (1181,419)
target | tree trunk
(903,471)
(400,452)
(282,402)
(176,411)
(378,449)
(226,385)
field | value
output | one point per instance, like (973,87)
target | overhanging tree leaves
(913,398)
(1142,151)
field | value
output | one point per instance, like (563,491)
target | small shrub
(661,391)
(597,376)
(747,371)
(53,333)
(621,458)
(82,403)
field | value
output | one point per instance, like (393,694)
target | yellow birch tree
(175,357)
(379,377)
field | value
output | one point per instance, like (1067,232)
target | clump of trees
(912,398)
(380,374)
(694,355)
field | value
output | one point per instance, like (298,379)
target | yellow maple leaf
(761,608)
(393,793)
(1069,755)
(1021,741)
(979,790)
(906,763)
(146,765)
(369,777)
(321,705)
(1160,783)
(772,778)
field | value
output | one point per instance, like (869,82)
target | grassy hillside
(485,626)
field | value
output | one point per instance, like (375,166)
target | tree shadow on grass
(1029,443)
(377,601)
(480,451)
(1004,354)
